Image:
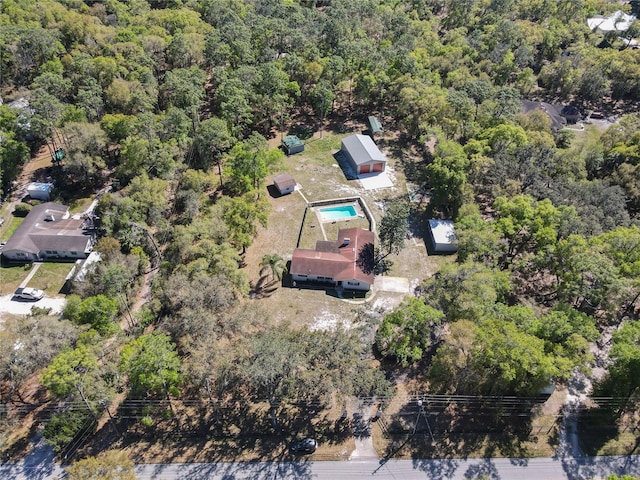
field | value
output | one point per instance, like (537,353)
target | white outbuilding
(40,191)
(285,183)
(443,236)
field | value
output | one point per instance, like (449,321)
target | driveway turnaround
(8,304)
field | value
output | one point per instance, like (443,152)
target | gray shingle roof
(362,149)
(36,234)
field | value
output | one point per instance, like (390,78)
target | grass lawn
(11,277)
(609,441)
(11,223)
(5,212)
(50,277)
(79,205)
(603,432)
(325,146)
(246,440)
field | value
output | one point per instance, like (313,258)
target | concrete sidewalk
(36,266)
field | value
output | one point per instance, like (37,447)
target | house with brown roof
(345,263)
(49,233)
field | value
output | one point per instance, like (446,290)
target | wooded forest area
(173,103)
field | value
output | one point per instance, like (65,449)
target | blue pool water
(338,213)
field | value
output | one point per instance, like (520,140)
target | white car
(29,293)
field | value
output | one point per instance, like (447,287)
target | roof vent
(49,218)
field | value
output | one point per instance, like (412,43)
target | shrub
(22,210)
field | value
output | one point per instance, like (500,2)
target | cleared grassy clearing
(319,177)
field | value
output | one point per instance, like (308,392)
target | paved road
(450,469)
(38,465)
(453,469)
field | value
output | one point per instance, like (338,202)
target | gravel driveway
(23,307)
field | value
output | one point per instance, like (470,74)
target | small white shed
(443,236)
(40,191)
(285,183)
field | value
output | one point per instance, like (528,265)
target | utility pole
(105,405)
(421,412)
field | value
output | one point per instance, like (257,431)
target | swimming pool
(338,213)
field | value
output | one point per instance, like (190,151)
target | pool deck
(329,228)
(322,220)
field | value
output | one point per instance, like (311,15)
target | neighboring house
(347,262)
(558,122)
(618,21)
(292,144)
(571,113)
(559,115)
(48,233)
(443,236)
(284,183)
(40,191)
(363,154)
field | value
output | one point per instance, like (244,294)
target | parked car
(29,293)
(306,445)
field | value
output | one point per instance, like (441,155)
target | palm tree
(275,264)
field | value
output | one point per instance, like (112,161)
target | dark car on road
(306,445)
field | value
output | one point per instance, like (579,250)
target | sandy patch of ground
(330,321)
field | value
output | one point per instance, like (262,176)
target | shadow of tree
(611,424)
(600,425)
(264,287)
(413,162)
(486,470)
(446,427)
(202,430)
(366,258)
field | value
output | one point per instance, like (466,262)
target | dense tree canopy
(405,333)
(152,365)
